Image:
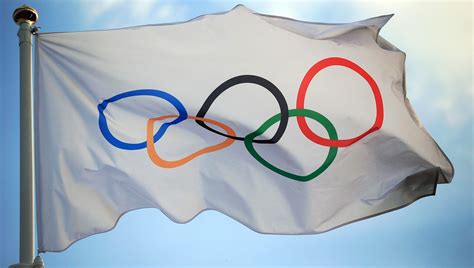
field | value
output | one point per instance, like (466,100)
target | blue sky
(434,231)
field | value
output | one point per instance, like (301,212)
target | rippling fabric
(286,126)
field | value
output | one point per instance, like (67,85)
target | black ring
(253,79)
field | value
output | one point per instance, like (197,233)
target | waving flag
(288,127)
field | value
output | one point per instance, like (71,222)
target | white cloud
(98,9)
(128,13)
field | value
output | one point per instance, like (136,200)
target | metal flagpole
(26,17)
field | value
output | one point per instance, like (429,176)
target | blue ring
(139,92)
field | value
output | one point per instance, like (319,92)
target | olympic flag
(288,127)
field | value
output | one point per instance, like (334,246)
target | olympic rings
(140,92)
(294,112)
(253,79)
(302,95)
(282,118)
(176,163)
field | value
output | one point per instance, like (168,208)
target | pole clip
(35,30)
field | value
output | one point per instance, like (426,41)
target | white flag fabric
(286,126)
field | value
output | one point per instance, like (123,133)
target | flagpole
(25,17)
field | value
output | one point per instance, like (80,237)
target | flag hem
(223,13)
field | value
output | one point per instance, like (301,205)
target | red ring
(303,125)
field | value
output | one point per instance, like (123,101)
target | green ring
(292,113)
